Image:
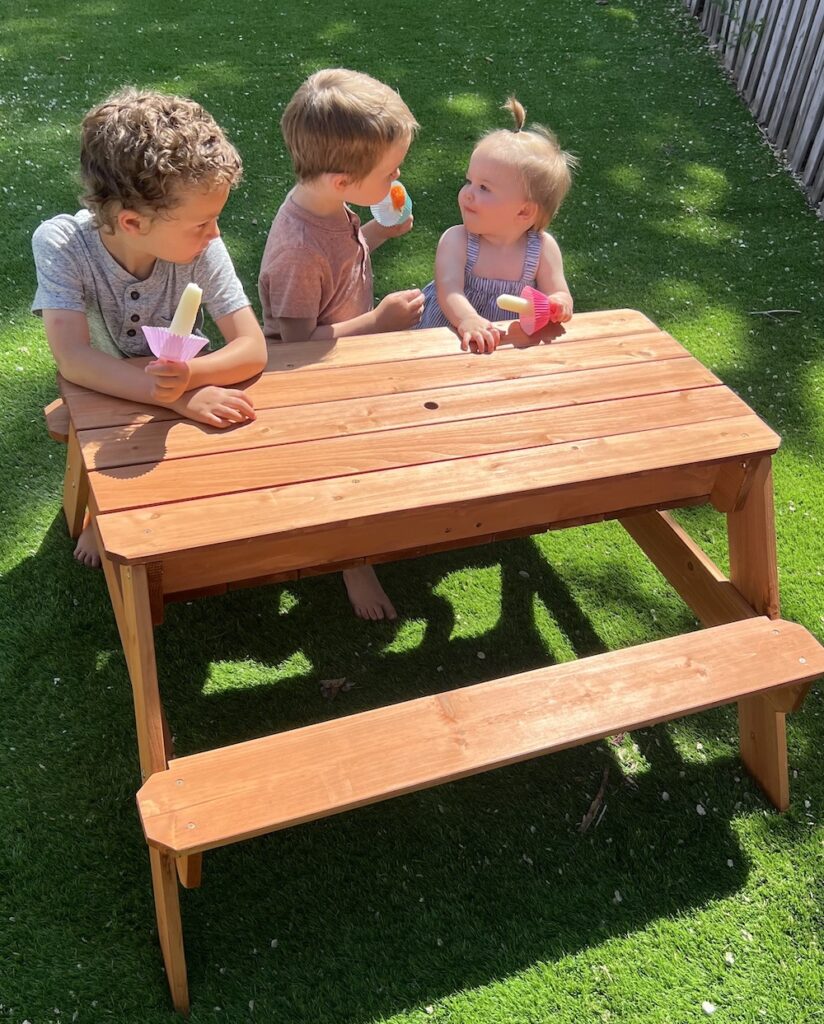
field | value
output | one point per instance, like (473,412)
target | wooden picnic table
(392,446)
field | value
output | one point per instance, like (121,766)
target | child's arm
(67,332)
(395,312)
(474,331)
(243,355)
(293,283)
(376,234)
(550,277)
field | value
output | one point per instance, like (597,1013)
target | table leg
(137,635)
(129,591)
(169,927)
(75,486)
(754,572)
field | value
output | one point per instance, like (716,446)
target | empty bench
(233,793)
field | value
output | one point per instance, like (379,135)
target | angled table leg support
(754,573)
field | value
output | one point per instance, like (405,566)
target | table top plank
(173,480)
(137,443)
(433,342)
(148,534)
(90,409)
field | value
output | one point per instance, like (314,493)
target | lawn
(480,902)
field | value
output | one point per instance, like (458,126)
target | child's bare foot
(86,549)
(367,595)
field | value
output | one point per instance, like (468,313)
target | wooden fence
(774,52)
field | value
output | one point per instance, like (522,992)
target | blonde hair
(342,122)
(545,169)
(138,148)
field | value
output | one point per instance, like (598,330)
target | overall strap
(532,258)
(472,249)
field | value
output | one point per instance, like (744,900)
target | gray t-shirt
(76,271)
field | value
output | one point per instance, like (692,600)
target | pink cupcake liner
(543,310)
(166,345)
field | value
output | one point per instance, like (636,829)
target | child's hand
(403,228)
(171,379)
(219,407)
(478,334)
(560,308)
(399,311)
(395,231)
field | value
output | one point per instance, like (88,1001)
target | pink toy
(535,310)
(176,342)
(177,347)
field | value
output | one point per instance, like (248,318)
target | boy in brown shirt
(347,135)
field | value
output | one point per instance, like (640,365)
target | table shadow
(426,894)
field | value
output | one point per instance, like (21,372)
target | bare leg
(85,550)
(368,597)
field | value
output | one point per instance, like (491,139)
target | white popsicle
(184,318)
(514,303)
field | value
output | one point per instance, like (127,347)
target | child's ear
(340,182)
(528,213)
(131,222)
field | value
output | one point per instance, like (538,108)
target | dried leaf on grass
(330,688)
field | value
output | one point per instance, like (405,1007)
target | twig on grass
(587,819)
(771,312)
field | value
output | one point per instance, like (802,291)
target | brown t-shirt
(313,267)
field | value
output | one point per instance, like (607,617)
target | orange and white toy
(395,208)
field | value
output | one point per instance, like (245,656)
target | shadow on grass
(676,211)
(370,912)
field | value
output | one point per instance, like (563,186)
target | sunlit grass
(480,902)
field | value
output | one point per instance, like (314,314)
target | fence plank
(775,61)
(774,52)
(781,85)
(811,79)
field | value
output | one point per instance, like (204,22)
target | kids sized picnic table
(397,445)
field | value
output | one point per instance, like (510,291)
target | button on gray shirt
(75,271)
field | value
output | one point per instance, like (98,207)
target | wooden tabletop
(389,443)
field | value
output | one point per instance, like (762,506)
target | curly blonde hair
(138,148)
(342,122)
(535,153)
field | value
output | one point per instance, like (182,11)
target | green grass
(480,901)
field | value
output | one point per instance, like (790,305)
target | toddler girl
(515,183)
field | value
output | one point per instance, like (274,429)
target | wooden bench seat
(222,796)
